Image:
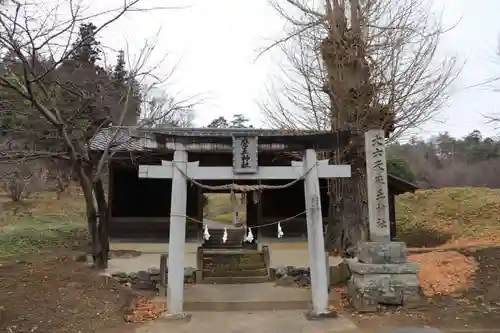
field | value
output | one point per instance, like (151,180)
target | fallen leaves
(445,273)
(143,309)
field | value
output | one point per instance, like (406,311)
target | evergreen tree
(119,72)
(87,48)
(239,121)
(219,122)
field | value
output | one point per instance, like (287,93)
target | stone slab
(262,322)
(411,330)
(362,268)
(246,297)
(382,253)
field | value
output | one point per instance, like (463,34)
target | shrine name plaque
(245,158)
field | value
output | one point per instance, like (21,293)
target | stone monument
(380,273)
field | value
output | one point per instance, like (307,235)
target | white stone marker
(378,193)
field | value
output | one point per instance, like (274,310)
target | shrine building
(139,208)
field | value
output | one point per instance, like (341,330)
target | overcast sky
(216,43)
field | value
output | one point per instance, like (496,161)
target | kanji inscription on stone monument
(378,194)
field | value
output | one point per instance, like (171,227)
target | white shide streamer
(280,231)
(249,237)
(224,236)
(206,234)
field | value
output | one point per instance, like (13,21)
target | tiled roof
(225,132)
(123,141)
(128,138)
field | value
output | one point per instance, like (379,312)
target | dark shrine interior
(138,197)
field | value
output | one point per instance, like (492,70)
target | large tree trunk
(348,223)
(350,92)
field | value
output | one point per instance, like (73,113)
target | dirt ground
(476,307)
(56,294)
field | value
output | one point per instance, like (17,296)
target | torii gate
(245,166)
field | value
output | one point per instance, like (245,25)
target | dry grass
(41,223)
(449,217)
(220,208)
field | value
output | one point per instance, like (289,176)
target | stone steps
(241,267)
(232,259)
(235,279)
(235,273)
(231,266)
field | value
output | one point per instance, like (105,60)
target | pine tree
(86,48)
(119,72)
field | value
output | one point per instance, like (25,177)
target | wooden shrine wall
(140,207)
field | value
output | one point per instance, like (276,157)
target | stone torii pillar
(177,240)
(315,241)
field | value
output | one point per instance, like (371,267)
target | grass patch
(220,208)
(42,223)
(435,217)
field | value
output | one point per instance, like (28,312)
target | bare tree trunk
(103,228)
(348,222)
(354,200)
(97,216)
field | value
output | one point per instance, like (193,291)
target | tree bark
(103,221)
(97,215)
(348,222)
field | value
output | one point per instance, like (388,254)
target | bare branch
(400,40)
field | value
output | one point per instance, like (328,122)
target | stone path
(241,322)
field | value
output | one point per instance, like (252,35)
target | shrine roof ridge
(224,132)
(122,138)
